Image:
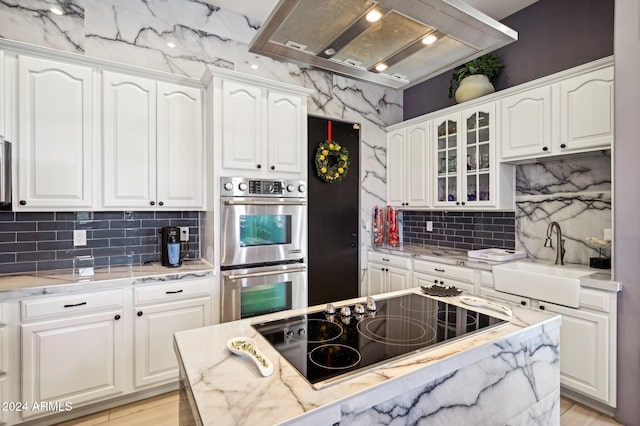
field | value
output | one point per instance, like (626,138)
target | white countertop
(228,389)
(600,279)
(64,281)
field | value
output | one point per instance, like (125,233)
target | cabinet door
(447,163)
(75,360)
(478,165)
(242,126)
(377,278)
(287,132)
(180,149)
(55,135)
(526,124)
(396,183)
(584,351)
(418,171)
(398,279)
(155,359)
(586,111)
(129,141)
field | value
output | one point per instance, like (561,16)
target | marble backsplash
(136,32)
(576,193)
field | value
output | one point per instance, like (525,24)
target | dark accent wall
(553,35)
(460,230)
(31,242)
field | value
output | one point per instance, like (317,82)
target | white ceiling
(260,9)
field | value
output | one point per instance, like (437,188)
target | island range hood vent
(396,43)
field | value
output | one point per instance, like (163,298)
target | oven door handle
(233,277)
(265,203)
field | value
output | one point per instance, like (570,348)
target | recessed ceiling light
(430,39)
(381,67)
(374,16)
(171,44)
(56,10)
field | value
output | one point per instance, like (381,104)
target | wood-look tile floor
(162,410)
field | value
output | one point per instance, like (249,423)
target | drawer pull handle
(174,292)
(76,304)
(385,259)
(438,270)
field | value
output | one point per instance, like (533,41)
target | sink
(555,284)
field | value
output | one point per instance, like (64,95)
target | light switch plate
(607,234)
(184,233)
(429,226)
(80,237)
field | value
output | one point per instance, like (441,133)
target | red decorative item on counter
(378,226)
(393,233)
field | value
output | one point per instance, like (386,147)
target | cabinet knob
(542,307)
(161,203)
(463,203)
(152,203)
(435,281)
(117,317)
(523,303)
(457,203)
(259,166)
(544,148)
(23,203)
(273,167)
(139,313)
(562,145)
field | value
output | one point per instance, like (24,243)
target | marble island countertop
(225,389)
(64,281)
(599,278)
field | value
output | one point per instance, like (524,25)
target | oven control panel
(247,187)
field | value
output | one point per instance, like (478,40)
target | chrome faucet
(559,242)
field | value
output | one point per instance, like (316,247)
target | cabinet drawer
(387,259)
(427,280)
(442,270)
(522,301)
(4,351)
(174,290)
(3,313)
(70,304)
(594,299)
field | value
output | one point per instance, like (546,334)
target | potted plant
(475,78)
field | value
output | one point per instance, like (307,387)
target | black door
(333,217)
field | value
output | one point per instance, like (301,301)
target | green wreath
(331,170)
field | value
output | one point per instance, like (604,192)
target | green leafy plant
(488,65)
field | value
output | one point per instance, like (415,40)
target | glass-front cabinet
(465,155)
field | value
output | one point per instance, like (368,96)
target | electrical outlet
(429,226)
(184,233)
(607,234)
(80,237)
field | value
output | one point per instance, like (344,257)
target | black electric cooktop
(326,348)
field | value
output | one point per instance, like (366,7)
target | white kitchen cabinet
(153,144)
(465,171)
(260,126)
(586,111)
(155,360)
(160,311)
(55,139)
(77,359)
(573,114)
(387,273)
(585,352)
(408,166)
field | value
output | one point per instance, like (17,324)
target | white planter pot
(472,87)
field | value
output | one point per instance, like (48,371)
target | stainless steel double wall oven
(263,246)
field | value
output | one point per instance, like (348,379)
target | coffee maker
(170,247)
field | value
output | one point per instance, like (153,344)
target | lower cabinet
(76,359)
(155,359)
(584,350)
(387,273)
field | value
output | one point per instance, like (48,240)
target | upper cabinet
(260,126)
(153,147)
(408,176)
(574,114)
(55,138)
(465,167)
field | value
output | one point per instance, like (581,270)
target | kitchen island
(506,375)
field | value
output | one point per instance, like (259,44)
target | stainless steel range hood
(411,41)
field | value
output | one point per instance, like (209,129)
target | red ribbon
(329,137)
